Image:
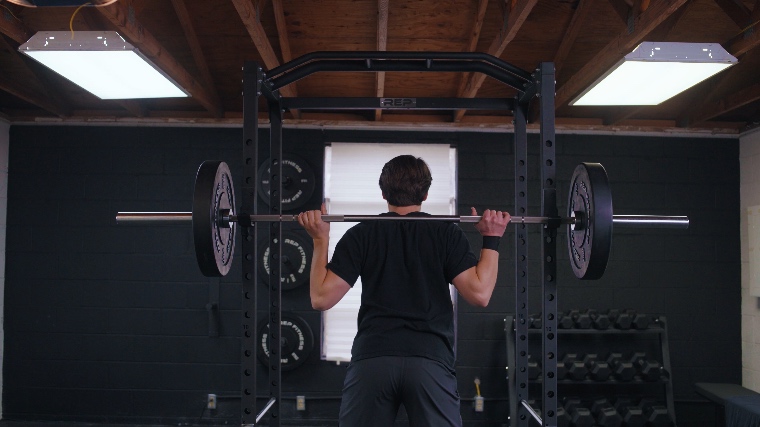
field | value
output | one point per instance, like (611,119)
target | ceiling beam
(477,27)
(749,37)
(282,34)
(616,49)
(382,46)
(251,19)
(622,8)
(736,10)
(180,8)
(571,33)
(282,30)
(44,97)
(708,93)
(726,104)
(13,27)
(122,16)
(518,13)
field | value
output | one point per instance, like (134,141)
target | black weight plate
(296,260)
(295,344)
(298,181)
(589,242)
(214,240)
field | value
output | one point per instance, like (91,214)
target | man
(403,351)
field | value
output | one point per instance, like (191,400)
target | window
(351,174)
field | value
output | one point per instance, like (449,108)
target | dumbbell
(606,415)
(638,320)
(655,415)
(534,369)
(535,321)
(649,370)
(621,319)
(580,416)
(576,369)
(599,370)
(581,320)
(565,321)
(598,320)
(633,416)
(622,370)
(563,417)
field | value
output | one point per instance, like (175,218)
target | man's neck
(403,210)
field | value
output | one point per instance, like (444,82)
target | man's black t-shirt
(405,267)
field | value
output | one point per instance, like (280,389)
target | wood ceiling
(203,45)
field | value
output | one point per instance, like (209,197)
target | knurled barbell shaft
(642,221)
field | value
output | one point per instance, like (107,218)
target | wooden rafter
(282,34)
(710,99)
(726,104)
(517,15)
(571,33)
(195,48)
(282,30)
(621,45)
(622,9)
(736,10)
(750,35)
(382,45)
(248,14)
(122,16)
(700,112)
(13,28)
(474,38)
(45,100)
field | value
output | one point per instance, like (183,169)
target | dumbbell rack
(580,340)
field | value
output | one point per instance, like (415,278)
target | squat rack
(538,84)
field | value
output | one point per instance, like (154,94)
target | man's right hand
(312,222)
(492,223)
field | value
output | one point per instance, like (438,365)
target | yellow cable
(71,21)
(477,385)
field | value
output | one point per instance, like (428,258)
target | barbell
(589,218)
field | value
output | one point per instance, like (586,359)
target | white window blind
(351,186)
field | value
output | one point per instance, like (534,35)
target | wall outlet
(479,403)
(300,403)
(211,401)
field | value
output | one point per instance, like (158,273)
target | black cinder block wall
(107,323)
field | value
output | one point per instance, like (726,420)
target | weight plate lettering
(298,182)
(589,241)
(295,344)
(296,260)
(214,239)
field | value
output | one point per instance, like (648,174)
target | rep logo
(398,102)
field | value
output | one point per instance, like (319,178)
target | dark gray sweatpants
(375,388)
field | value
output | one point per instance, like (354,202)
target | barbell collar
(635,221)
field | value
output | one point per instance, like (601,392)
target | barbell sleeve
(651,221)
(637,221)
(154,217)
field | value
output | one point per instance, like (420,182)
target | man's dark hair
(405,180)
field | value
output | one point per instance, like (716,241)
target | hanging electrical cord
(71,21)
